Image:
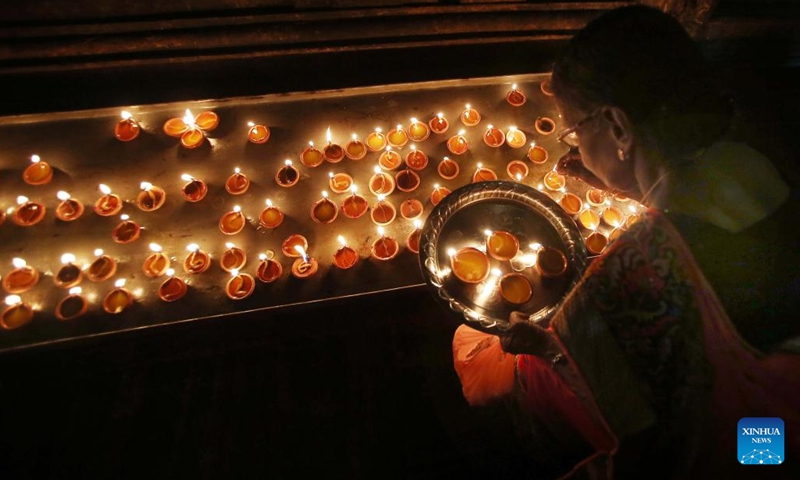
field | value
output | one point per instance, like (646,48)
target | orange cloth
(485,370)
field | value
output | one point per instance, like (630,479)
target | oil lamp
(232,222)
(517,170)
(69,275)
(16,314)
(470,117)
(438,123)
(287,175)
(345,257)
(126,231)
(151,197)
(268,269)
(102,267)
(72,306)
(412,242)
(290,244)
(119,299)
(389,159)
(109,204)
(418,131)
(197,261)
(355,205)
(271,216)
(240,285)
(156,264)
(355,148)
(501,245)
(469,264)
(554,181)
(411,208)
(376,141)
(194,190)
(537,154)
(551,262)
(571,203)
(28,213)
(596,242)
(304,266)
(397,137)
(458,144)
(438,194)
(324,210)
(494,137)
(612,216)
(544,125)
(589,219)
(257,134)
(339,182)
(407,180)
(448,169)
(515,98)
(22,278)
(515,288)
(312,156)
(172,288)
(515,138)
(332,152)
(38,172)
(384,248)
(234,258)
(69,209)
(416,159)
(483,174)
(191,130)
(383,212)
(381,183)
(237,183)
(127,128)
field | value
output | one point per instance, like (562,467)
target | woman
(641,373)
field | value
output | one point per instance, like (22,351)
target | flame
(251,124)
(22,199)
(35,158)
(125,115)
(104,188)
(188,119)
(124,217)
(237,209)
(120,283)
(341,240)
(193,247)
(328,135)
(12,300)
(269,202)
(67,258)
(288,162)
(229,245)
(417,224)
(19,263)
(145,186)
(186,177)
(170,272)
(75,291)
(381,231)
(155,247)
(98,252)
(62,195)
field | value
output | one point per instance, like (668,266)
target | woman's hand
(571,165)
(527,337)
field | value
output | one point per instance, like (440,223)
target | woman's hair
(642,61)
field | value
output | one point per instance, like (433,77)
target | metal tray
(460,221)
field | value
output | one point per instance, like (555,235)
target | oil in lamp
(240,285)
(72,306)
(411,208)
(119,299)
(257,134)
(22,278)
(416,159)
(469,264)
(151,197)
(554,181)
(407,180)
(16,314)
(304,266)
(376,141)
(28,213)
(102,267)
(69,208)
(194,190)
(156,264)
(483,174)
(515,138)
(537,154)
(268,269)
(127,128)
(595,197)
(412,242)
(438,123)
(381,183)
(571,203)
(324,210)
(544,125)
(494,137)
(355,148)
(397,137)
(470,117)
(345,257)
(515,288)
(234,258)
(38,172)
(458,144)
(383,212)
(355,205)
(109,204)
(438,194)
(589,219)
(515,98)
(232,222)
(69,275)
(339,182)
(197,261)
(517,170)
(126,231)
(332,152)
(237,183)
(596,242)
(448,169)
(501,245)
(384,248)
(551,262)
(389,159)
(287,175)
(173,288)
(312,156)
(271,216)
(612,216)
(418,131)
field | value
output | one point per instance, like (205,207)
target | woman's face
(598,147)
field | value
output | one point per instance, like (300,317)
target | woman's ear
(621,127)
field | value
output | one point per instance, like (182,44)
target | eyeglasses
(569,136)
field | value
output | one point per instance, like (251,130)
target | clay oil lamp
(381,183)
(589,219)
(109,204)
(69,208)
(515,288)
(438,123)
(483,174)
(537,154)
(127,128)
(515,138)
(234,258)
(383,212)
(287,175)
(354,206)
(126,231)
(412,242)
(240,285)
(268,269)
(332,152)
(345,257)
(38,172)
(470,117)
(102,267)
(416,159)
(290,244)
(312,156)
(501,245)
(397,137)
(544,125)
(22,278)
(546,88)
(458,144)
(157,263)
(69,274)
(193,190)
(469,264)
(196,261)
(257,134)
(191,130)
(407,180)
(517,170)
(596,242)
(494,137)
(613,217)
(339,182)
(355,148)
(554,181)
(324,210)
(551,262)
(173,288)
(16,314)
(515,98)
(571,203)
(376,141)
(448,169)
(384,248)
(119,299)
(72,306)
(28,213)
(271,216)
(418,131)
(151,197)
(438,194)
(232,222)
(411,208)
(390,159)
(304,266)
(237,183)
(595,197)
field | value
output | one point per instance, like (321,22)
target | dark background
(361,388)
